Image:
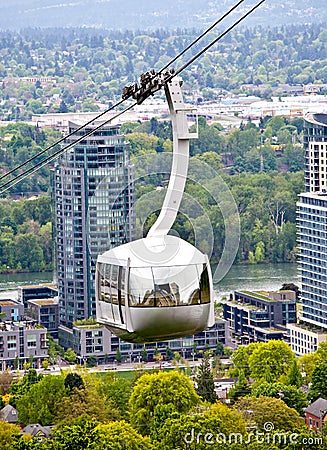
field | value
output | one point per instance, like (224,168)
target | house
(9,414)
(316,414)
(37,431)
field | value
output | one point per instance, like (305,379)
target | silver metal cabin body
(159,287)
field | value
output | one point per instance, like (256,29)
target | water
(10,282)
(256,277)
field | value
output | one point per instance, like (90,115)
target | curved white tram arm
(181,141)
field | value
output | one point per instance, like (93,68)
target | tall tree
(319,382)
(205,386)
(161,388)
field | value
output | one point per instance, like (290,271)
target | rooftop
(8,303)
(263,295)
(317,408)
(44,301)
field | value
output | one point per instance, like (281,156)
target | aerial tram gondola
(159,287)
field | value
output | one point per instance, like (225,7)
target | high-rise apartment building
(315,147)
(312,237)
(93,190)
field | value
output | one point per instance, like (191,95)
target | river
(11,281)
(248,277)
(268,277)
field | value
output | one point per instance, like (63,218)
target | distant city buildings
(260,316)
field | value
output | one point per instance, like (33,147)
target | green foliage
(87,401)
(291,395)
(116,392)
(77,434)
(39,404)
(23,386)
(294,377)
(272,359)
(268,409)
(73,381)
(161,388)
(241,389)
(319,382)
(120,436)
(240,359)
(205,386)
(182,433)
(70,355)
(9,433)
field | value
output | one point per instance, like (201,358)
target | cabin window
(169,286)
(112,283)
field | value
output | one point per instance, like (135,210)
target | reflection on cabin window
(169,286)
(154,286)
(111,283)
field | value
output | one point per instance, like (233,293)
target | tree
(241,389)
(40,403)
(6,379)
(241,358)
(78,434)
(120,436)
(160,388)
(144,354)
(319,382)
(205,386)
(9,433)
(73,381)
(23,386)
(70,356)
(294,377)
(273,357)
(118,356)
(86,401)
(273,410)
(291,395)
(188,431)
(116,392)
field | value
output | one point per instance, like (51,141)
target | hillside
(144,14)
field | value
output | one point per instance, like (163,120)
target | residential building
(9,414)
(12,310)
(260,316)
(305,338)
(37,431)
(96,340)
(315,147)
(39,291)
(312,256)
(93,189)
(46,313)
(312,239)
(20,341)
(316,414)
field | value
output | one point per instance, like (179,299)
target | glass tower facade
(94,203)
(312,222)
